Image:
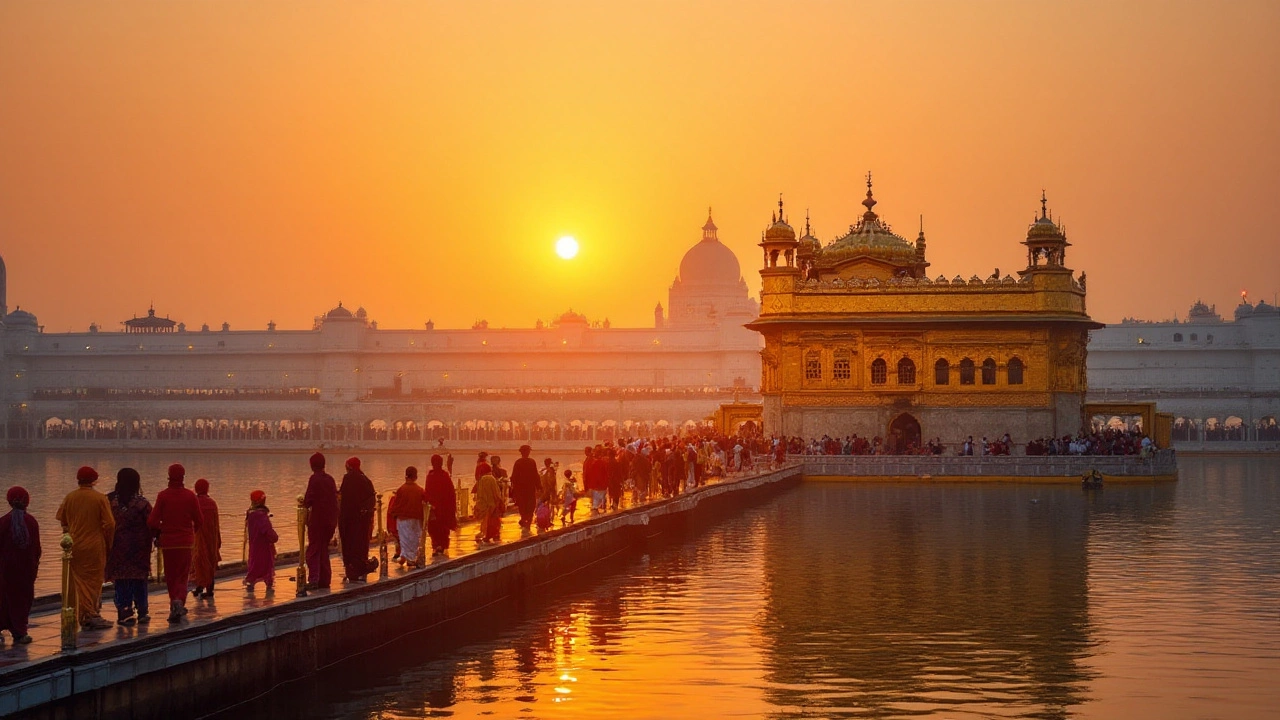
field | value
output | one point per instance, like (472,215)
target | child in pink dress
(261,539)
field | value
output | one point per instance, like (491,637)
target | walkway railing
(1163,462)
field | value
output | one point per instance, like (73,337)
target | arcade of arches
(378,430)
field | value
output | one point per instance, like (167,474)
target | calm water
(1149,601)
(846,600)
(232,476)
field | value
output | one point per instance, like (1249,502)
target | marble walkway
(230,598)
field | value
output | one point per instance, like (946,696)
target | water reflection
(1141,601)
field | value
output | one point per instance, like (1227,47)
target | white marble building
(345,380)
(1219,378)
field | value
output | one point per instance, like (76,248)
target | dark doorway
(904,434)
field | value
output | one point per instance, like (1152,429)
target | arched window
(966,372)
(1194,337)
(942,372)
(879,371)
(906,372)
(841,369)
(1208,338)
(1015,371)
(812,365)
(988,372)
(1177,337)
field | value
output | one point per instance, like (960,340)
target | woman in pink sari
(261,540)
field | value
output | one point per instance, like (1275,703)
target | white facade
(346,380)
(1219,378)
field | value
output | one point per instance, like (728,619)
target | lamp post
(303,513)
(383,571)
(68,597)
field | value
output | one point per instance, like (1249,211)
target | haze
(247,162)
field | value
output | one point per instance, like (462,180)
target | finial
(708,213)
(1044,204)
(921,224)
(870,202)
(806,222)
(780,208)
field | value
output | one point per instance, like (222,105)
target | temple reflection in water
(885,596)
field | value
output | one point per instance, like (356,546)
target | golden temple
(858,338)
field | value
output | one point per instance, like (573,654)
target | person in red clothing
(439,492)
(176,516)
(322,522)
(19,563)
(595,478)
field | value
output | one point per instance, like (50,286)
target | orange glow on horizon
(248,162)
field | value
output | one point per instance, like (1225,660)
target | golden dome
(779,231)
(1044,228)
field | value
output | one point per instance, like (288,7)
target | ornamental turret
(1046,243)
(779,244)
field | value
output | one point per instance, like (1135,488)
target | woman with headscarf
(441,496)
(357,499)
(321,501)
(261,540)
(489,508)
(86,515)
(176,516)
(129,563)
(19,563)
(208,550)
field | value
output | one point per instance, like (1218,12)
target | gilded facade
(859,339)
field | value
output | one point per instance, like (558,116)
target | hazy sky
(262,161)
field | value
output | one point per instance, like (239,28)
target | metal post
(303,512)
(423,556)
(68,598)
(383,571)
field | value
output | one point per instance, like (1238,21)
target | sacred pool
(850,599)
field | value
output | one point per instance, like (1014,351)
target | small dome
(1265,308)
(1043,227)
(570,317)
(338,313)
(20,318)
(780,231)
(361,313)
(1244,310)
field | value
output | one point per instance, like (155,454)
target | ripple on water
(888,601)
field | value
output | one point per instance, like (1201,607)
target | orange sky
(262,161)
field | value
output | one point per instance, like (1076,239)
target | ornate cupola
(809,249)
(779,244)
(1046,243)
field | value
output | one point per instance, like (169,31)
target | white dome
(710,262)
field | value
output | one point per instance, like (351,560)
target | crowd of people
(857,445)
(115,535)
(1108,441)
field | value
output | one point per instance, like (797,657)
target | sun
(567,247)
